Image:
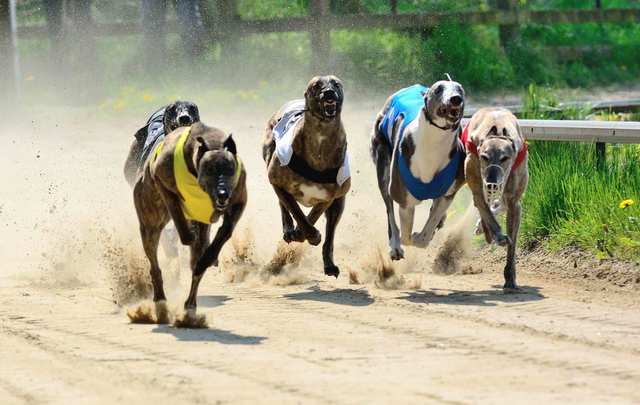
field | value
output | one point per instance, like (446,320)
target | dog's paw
(419,240)
(293,235)
(332,270)
(396,253)
(313,236)
(162,312)
(502,240)
(511,288)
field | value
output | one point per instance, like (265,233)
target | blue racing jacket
(407,104)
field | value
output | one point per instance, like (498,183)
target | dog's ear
(201,148)
(517,140)
(230,144)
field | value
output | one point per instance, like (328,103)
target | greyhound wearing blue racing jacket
(418,155)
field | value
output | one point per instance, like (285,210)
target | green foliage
(573,200)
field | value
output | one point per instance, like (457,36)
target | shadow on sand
(340,296)
(212,301)
(480,298)
(208,335)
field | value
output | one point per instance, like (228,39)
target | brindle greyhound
(193,178)
(497,172)
(305,149)
(418,156)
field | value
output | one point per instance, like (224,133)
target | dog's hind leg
(310,233)
(436,216)
(514,212)
(333,215)
(406,224)
(383,170)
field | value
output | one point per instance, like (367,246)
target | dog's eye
(504,159)
(484,158)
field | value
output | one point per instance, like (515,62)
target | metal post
(320,36)
(7,56)
(601,153)
(507,32)
(225,28)
(394,7)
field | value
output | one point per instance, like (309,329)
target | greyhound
(161,122)
(418,156)
(305,149)
(193,178)
(497,172)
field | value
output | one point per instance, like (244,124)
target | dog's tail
(378,139)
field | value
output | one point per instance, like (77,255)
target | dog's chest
(432,153)
(312,194)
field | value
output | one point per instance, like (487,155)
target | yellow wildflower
(626,203)
(147,97)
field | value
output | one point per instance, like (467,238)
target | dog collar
(473,149)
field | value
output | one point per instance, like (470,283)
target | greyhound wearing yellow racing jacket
(193,178)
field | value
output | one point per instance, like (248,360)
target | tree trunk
(508,34)
(54,13)
(8,94)
(81,46)
(320,37)
(190,27)
(154,36)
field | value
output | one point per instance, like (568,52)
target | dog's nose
(329,95)
(456,101)
(222,196)
(184,120)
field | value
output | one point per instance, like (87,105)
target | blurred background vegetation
(573,200)
(558,55)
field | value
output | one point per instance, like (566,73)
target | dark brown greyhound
(193,178)
(305,149)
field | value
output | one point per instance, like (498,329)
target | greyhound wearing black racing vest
(161,122)
(418,157)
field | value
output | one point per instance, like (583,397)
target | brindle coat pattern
(320,140)
(440,110)
(497,135)
(211,157)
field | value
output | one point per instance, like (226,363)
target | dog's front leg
(210,255)
(488,219)
(311,234)
(437,214)
(175,210)
(514,212)
(333,215)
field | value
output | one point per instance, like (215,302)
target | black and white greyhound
(418,155)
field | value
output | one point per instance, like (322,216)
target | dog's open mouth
(452,114)
(330,108)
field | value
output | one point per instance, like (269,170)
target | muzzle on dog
(493,180)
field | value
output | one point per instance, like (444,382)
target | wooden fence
(320,21)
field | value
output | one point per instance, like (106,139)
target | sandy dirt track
(69,245)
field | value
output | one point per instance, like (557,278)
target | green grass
(573,201)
